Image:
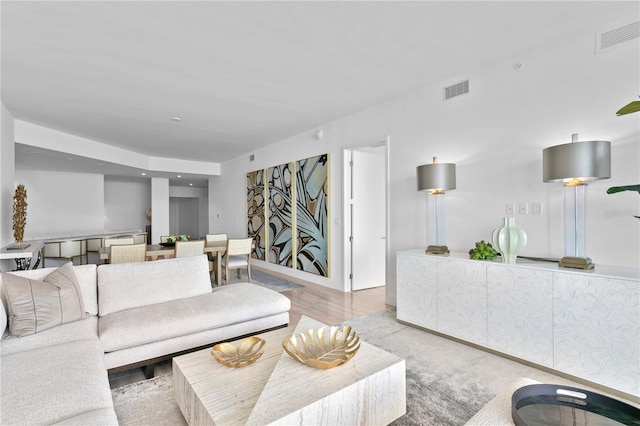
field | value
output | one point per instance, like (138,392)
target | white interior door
(368,217)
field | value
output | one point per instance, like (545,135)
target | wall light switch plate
(511,209)
(536,208)
(523,208)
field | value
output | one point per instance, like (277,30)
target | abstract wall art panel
(311,213)
(256,217)
(280,215)
(287,214)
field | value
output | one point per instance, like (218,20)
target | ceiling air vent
(607,40)
(456,90)
(252,157)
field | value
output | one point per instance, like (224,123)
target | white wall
(7,176)
(126,204)
(60,203)
(7,182)
(203,214)
(495,135)
(159,208)
(216,206)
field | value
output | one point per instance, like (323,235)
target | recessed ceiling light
(176,118)
(179,176)
(190,184)
(98,164)
(32,151)
(144,174)
(70,158)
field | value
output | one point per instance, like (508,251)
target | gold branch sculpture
(19,213)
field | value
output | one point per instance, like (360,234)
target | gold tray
(324,348)
(249,351)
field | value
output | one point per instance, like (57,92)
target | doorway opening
(365,175)
(184,217)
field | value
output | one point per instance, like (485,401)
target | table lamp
(436,178)
(574,164)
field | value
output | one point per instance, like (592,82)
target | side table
(24,256)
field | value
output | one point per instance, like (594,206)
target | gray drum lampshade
(436,176)
(585,161)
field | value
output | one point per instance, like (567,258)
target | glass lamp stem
(435,219)
(575,220)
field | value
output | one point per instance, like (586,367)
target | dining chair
(211,239)
(189,248)
(237,256)
(108,242)
(127,253)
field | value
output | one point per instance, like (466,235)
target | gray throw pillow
(34,306)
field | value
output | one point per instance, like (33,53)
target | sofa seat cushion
(149,353)
(235,261)
(85,329)
(132,285)
(225,306)
(101,416)
(54,384)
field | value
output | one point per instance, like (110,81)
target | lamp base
(576,263)
(437,250)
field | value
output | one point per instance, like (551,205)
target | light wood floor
(315,301)
(332,306)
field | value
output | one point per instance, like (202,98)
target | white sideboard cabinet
(586,324)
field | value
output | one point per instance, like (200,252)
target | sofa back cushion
(132,285)
(86,275)
(38,305)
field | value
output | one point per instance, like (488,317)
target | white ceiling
(242,75)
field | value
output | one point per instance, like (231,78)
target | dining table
(155,251)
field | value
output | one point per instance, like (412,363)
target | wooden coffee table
(369,389)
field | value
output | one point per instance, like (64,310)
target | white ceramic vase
(509,240)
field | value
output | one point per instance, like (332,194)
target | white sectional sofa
(136,314)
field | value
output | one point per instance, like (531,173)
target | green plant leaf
(482,251)
(631,107)
(615,189)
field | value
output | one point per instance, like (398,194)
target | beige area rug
(447,382)
(149,402)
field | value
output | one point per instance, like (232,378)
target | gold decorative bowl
(324,348)
(249,351)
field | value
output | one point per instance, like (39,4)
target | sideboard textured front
(580,323)
(519,312)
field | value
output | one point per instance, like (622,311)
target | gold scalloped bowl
(323,348)
(247,353)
